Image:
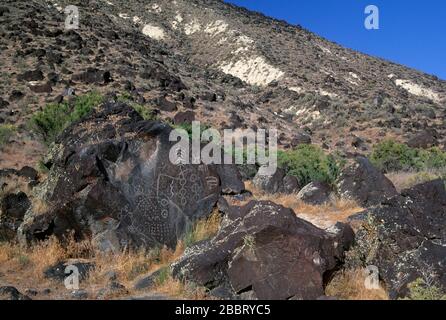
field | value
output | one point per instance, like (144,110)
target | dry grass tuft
(350,285)
(407,179)
(178,289)
(204,228)
(337,209)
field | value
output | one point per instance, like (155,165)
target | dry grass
(349,285)
(27,265)
(325,215)
(204,228)
(178,289)
(129,264)
(33,260)
(407,179)
(39,206)
(14,185)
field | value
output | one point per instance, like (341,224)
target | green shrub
(54,118)
(163,275)
(419,290)
(145,112)
(84,105)
(188,128)
(309,163)
(6,132)
(390,156)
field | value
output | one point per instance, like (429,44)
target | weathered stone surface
(265,251)
(290,185)
(405,237)
(111,179)
(92,75)
(315,193)
(231,180)
(30,75)
(362,182)
(425,139)
(13,207)
(147,281)
(269,183)
(11,293)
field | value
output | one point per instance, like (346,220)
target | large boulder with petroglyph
(111,180)
(264,251)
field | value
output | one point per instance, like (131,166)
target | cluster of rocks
(359,181)
(263,251)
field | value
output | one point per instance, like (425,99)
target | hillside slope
(230,67)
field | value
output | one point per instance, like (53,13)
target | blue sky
(412,32)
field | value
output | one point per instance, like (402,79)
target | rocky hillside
(86,180)
(222,64)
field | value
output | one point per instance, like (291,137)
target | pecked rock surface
(405,237)
(111,179)
(265,252)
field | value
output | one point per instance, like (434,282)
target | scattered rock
(300,138)
(32,75)
(166,105)
(362,182)
(61,270)
(93,76)
(315,193)
(3,103)
(11,293)
(231,180)
(79,294)
(113,289)
(290,185)
(147,281)
(423,140)
(184,117)
(41,88)
(269,183)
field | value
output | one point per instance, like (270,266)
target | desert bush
(144,111)
(390,156)
(310,163)
(6,132)
(420,290)
(54,118)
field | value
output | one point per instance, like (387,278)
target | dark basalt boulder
(290,185)
(93,76)
(11,293)
(269,183)
(13,207)
(3,103)
(405,237)
(111,180)
(231,179)
(362,182)
(267,252)
(41,88)
(62,269)
(315,193)
(31,75)
(424,140)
